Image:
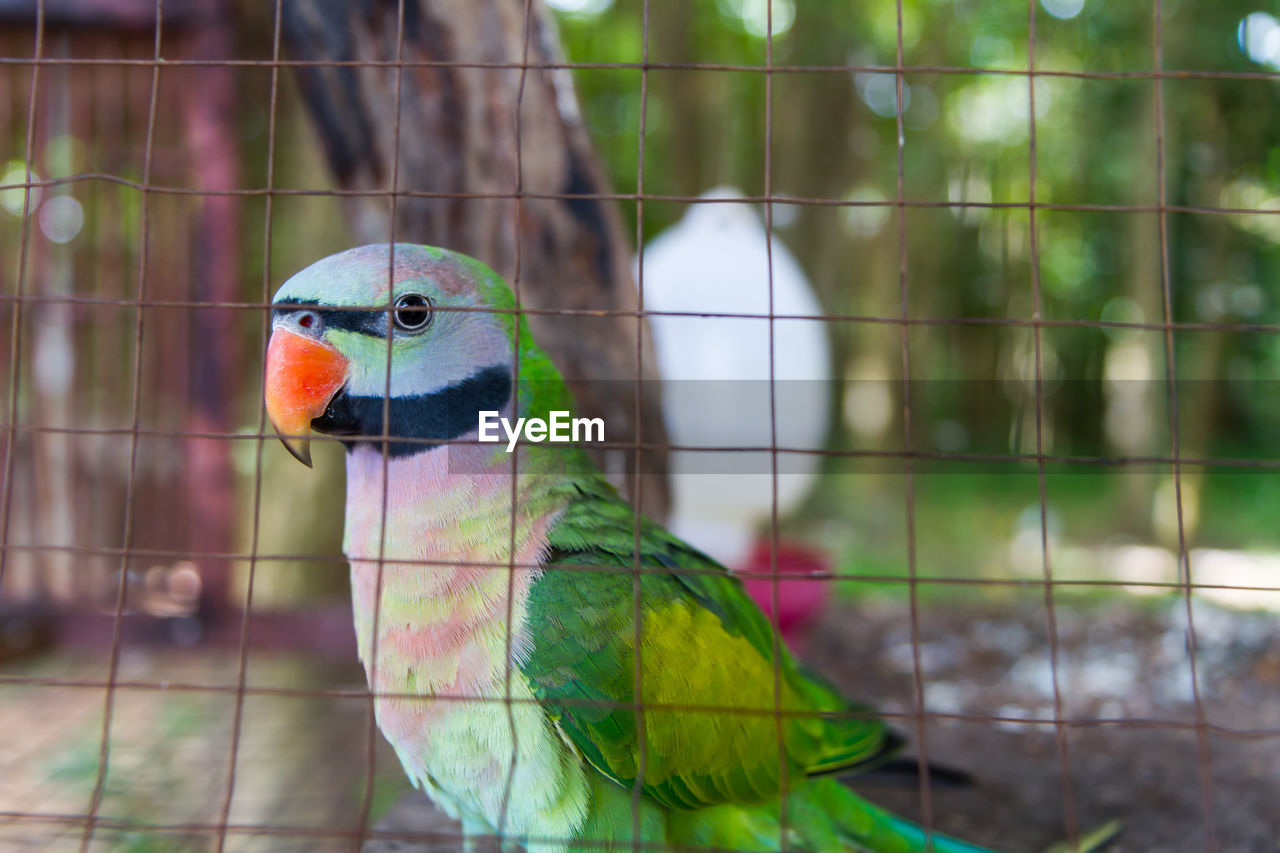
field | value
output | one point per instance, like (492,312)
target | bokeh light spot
(61,218)
(868,217)
(11,199)
(1064,9)
(1259,37)
(753,15)
(581,7)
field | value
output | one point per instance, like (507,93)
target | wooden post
(458,137)
(211,128)
(201,29)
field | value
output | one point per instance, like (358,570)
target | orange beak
(303,375)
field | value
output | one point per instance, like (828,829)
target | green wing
(708,697)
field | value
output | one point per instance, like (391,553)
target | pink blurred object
(800,602)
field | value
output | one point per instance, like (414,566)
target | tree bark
(459,136)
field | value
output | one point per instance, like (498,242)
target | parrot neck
(453,562)
(462,547)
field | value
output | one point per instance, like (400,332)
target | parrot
(550,667)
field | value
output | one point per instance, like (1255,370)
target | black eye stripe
(362,321)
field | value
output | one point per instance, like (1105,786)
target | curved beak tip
(299,448)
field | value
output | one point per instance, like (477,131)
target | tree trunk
(458,131)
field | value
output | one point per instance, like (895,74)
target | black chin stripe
(426,418)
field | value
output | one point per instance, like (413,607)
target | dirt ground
(1124,681)
(1128,666)
(299,763)
(1131,746)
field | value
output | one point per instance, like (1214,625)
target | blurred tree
(966,138)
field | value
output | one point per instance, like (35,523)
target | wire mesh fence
(179,583)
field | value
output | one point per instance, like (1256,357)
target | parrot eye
(413,312)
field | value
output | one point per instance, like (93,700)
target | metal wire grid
(91,821)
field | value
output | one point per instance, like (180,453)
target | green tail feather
(823,817)
(876,830)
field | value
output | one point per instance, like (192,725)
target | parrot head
(399,345)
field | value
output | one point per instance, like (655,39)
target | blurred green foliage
(966,139)
(1106,133)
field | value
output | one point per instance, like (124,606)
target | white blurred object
(715,371)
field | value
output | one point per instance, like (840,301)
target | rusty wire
(1205,763)
(90,821)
